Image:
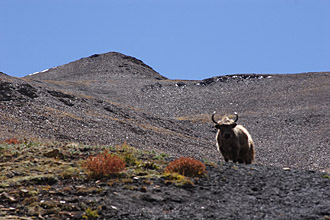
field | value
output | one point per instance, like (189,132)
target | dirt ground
(47,181)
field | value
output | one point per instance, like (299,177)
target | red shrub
(11,141)
(186,166)
(104,164)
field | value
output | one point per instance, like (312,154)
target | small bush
(128,154)
(178,180)
(90,214)
(186,166)
(104,164)
(11,141)
(149,165)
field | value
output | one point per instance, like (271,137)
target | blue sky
(180,39)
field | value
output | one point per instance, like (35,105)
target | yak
(233,141)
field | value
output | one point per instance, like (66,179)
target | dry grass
(201,118)
(58,113)
(104,116)
(29,162)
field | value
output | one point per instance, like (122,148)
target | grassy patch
(36,163)
(37,178)
(178,179)
(46,163)
(90,214)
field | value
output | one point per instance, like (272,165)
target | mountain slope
(98,100)
(108,66)
(59,115)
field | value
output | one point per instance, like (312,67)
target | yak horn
(236,116)
(213,117)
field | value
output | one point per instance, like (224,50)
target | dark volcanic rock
(239,77)
(10,91)
(27,90)
(60,94)
(6,91)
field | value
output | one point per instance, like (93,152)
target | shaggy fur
(234,142)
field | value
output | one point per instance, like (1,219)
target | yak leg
(248,162)
(248,159)
(224,157)
(223,153)
(235,154)
(248,154)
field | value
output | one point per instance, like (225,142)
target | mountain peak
(116,55)
(106,66)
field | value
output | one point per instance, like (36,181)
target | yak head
(226,126)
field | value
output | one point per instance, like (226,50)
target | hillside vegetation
(52,181)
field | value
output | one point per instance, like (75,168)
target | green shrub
(90,214)
(128,154)
(178,180)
